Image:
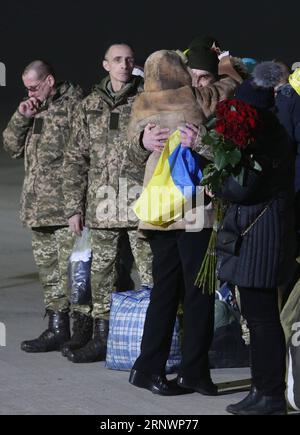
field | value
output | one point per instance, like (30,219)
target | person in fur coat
(170,102)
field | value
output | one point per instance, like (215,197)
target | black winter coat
(268,249)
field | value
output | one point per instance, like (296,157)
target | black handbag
(229,242)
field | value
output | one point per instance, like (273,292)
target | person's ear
(105,65)
(51,80)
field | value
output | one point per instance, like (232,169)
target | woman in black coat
(255,249)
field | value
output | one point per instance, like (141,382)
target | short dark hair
(116,43)
(41,67)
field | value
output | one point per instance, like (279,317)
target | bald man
(39,131)
(98,179)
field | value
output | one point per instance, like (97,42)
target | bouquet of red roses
(237,126)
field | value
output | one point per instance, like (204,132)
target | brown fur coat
(168,99)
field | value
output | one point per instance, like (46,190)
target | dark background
(73,35)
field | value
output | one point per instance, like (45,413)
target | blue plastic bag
(126,324)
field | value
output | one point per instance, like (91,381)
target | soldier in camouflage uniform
(97,175)
(39,131)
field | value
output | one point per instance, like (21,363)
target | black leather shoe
(250,399)
(263,405)
(155,383)
(202,386)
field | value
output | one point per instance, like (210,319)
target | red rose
(252,122)
(237,122)
(240,141)
(220,127)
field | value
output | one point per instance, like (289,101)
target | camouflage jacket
(41,141)
(98,173)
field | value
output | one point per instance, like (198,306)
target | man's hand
(154,137)
(76,224)
(189,134)
(29,107)
(209,192)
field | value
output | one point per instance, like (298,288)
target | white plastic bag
(80,269)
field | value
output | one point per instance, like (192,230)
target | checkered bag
(127,317)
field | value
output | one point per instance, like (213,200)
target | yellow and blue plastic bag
(173,183)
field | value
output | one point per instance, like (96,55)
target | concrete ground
(48,383)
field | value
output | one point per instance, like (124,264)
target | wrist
(141,141)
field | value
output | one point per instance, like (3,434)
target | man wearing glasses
(39,131)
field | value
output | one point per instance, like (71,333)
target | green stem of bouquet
(206,278)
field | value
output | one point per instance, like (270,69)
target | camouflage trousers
(52,247)
(103,272)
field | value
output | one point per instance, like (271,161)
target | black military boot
(95,349)
(82,333)
(54,337)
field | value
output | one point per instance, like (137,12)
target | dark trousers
(267,341)
(177,256)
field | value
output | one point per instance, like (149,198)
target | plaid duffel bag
(126,324)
